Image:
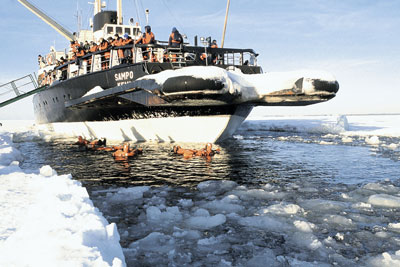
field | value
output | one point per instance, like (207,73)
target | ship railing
(18,89)
(178,57)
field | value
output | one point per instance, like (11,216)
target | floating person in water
(94,145)
(207,151)
(81,141)
(126,152)
(97,144)
(187,153)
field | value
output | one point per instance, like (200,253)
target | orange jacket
(74,47)
(94,48)
(104,46)
(119,42)
(80,53)
(127,41)
(147,38)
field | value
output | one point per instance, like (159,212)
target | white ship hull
(172,129)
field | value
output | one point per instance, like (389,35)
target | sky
(356,40)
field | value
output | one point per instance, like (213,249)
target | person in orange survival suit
(126,152)
(103,45)
(187,153)
(80,53)
(81,141)
(175,38)
(98,144)
(207,151)
(128,51)
(175,41)
(93,48)
(214,56)
(74,46)
(118,41)
(147,38)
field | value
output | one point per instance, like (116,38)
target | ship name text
(123,77)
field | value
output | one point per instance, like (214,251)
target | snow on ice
(49,219)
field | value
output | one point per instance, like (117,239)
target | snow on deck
(248,86)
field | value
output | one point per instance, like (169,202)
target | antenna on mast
(78,17)
(226,20)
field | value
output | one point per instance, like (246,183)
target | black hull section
(49,105)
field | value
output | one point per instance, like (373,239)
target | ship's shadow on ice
(137,135)
(92,134)
(363,128)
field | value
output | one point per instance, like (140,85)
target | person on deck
(118,41)
(105,60)
(214,44)
(127,51)
(214,56)
(93,47)
(86,46)
(147,38)
(175,38)
(41,61)
(74,46)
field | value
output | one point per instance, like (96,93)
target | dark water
(251,157)
(313,171)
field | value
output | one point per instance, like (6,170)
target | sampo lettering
(123,76)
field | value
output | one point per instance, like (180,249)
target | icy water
(271,198)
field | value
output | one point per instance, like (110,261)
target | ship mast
(119,12)
(60,29)
(97,6)
(226,20)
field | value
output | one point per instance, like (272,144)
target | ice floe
(49,219)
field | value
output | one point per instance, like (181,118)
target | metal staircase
(18,89)
(176,57)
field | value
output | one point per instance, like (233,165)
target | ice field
(285,191)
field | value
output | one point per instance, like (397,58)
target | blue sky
(358,41)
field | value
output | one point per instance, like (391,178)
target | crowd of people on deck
(123,152)
(125,54)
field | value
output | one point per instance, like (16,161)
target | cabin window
(119,30)
(128,31)
(110,30)
(135,31)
